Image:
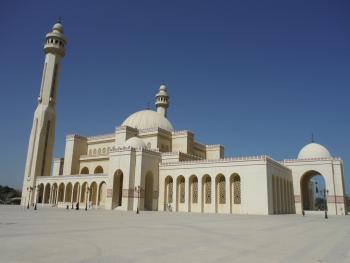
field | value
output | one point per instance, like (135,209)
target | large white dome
(147,119)
(314,150)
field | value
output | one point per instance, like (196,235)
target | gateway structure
(146,164)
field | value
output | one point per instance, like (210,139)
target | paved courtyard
(59,235)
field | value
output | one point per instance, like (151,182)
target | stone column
(186,204)
(174,203)
(200,194)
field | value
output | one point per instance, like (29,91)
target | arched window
(94,151)
(98,170)
(84,170)
(237,190)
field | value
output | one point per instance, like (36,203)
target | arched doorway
(47,194)
(235,195)
(117,189)
(83,192)
(312,189)
(168,193)
(76,191)
(220,187)
(206,193)
(93,194)
(102,194)
(54,194)
(68,196)
(40,193)
(193,193)
(61,193)
(148,205)
(180,193)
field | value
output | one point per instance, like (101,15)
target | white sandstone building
(146,164)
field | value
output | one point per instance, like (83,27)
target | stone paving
(60,235)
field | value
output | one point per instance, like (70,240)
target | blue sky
(256,76)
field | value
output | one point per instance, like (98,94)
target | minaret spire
(162,100)
(40,148)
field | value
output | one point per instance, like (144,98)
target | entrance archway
(40,193)
(117,189)
(148,192)
(206,193)
(61,193)
(68,196)
(193,192)
(180,193)
(76,191)
(47,194)
(93,194)
(312,186)
(102,194)
(168,192)
(83,192)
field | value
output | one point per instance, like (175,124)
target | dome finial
(312,137)
(59,20)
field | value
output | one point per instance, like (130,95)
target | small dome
(148,119)
(162,91)
(135,142)
(58,27)
(314,150)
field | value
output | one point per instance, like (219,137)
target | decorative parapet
(310,159)
(181,132)
(124,148)
(154,130)
(224,160)
(190,156)
(103,136)
(75,136)
(213,146)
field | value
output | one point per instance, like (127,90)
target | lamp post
(86,197)
(29,189)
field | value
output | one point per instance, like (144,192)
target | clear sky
(256,76)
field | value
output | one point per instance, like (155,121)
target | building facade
(147,165)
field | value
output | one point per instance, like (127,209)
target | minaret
(40,148)
(162,101)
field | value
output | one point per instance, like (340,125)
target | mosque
(146,164)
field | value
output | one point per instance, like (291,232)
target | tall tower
(162,101)
(40,148)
